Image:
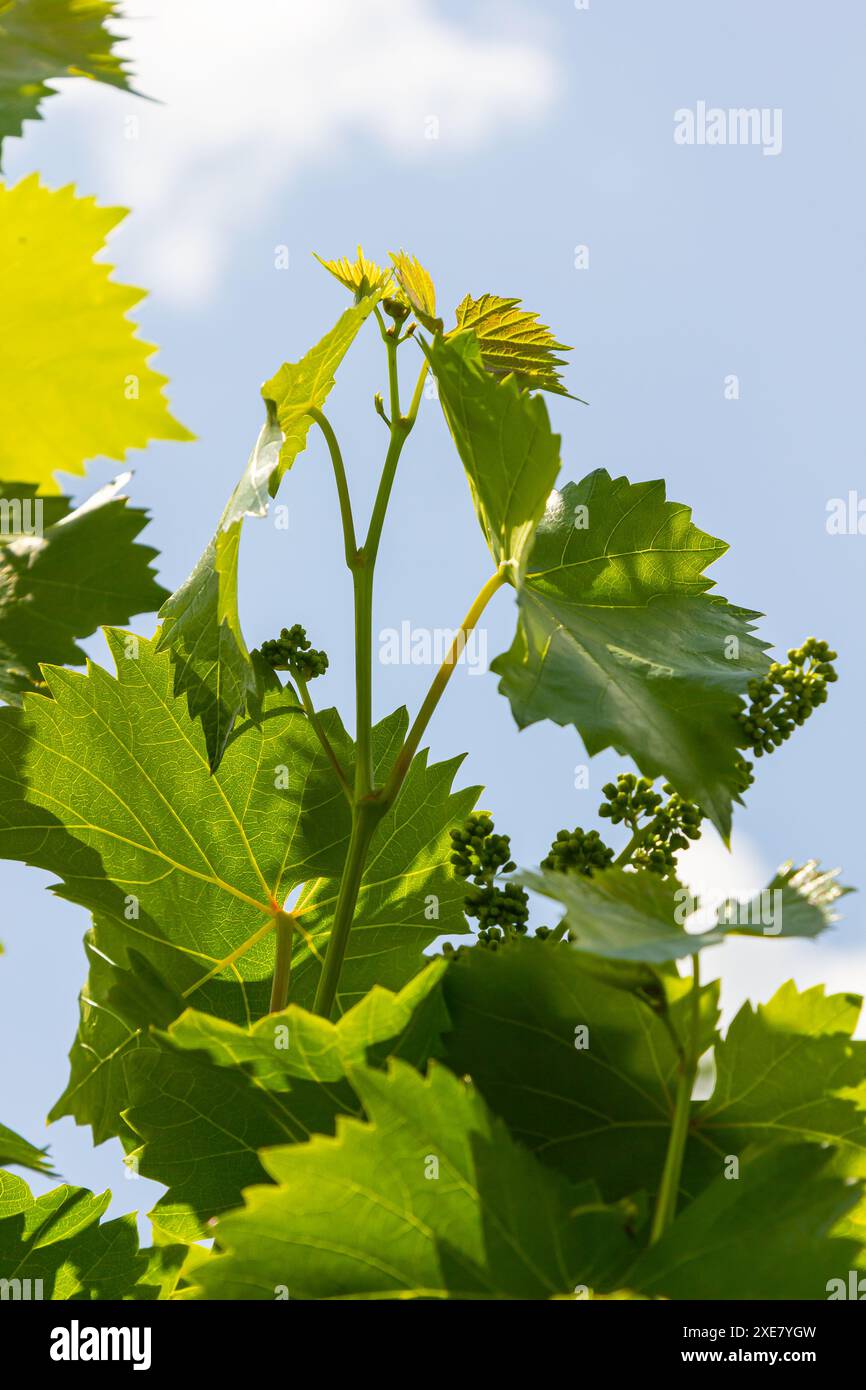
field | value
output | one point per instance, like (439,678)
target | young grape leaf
(209,1095)
(617,636)
(504,439)
(41,40)
(786,1070)
(57,1239)
(430,1199)
(513,342)
(766,1236)
(14,1149)
(417,288)
(61,580)
(200,622)
(361,277)
(65,337)
(582,1073)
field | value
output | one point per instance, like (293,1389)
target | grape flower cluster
(479,854)
(293,651)
(668,826)
(578,851)
(784,698)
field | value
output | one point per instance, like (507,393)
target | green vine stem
(439,683)
(367,808)
(666,1202)
(366,818)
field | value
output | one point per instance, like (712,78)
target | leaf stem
(319,730)
(666,1202)
(349,541)
(437,687)
(282,964)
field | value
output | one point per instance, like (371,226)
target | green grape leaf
(504,439)
(163,1271)
(200,622)
(623,914)
(786,1070)
(766,1236)
(617,636)
(409,893)
(41,40)
(210,1095)
(598,1101)
(116,1008)
(513,342)
(61,579)
(430,1199)
(418,290)
(58,1239)
(107,784)
(66,338)
(628,915)
(201,626)
(14,1149)
(796,902)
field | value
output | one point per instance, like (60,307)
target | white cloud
(253,93)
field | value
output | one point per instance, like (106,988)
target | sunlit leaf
(76,379)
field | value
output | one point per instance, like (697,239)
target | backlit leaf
(207,1095)
(76,379)
(366,1215)
(786,1070)
(582,1073)
(504,439)
(361,277)
(512,341)
(107,784)
(58,1239)
(417,288)
(766,1236)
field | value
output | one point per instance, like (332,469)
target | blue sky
(306,127)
